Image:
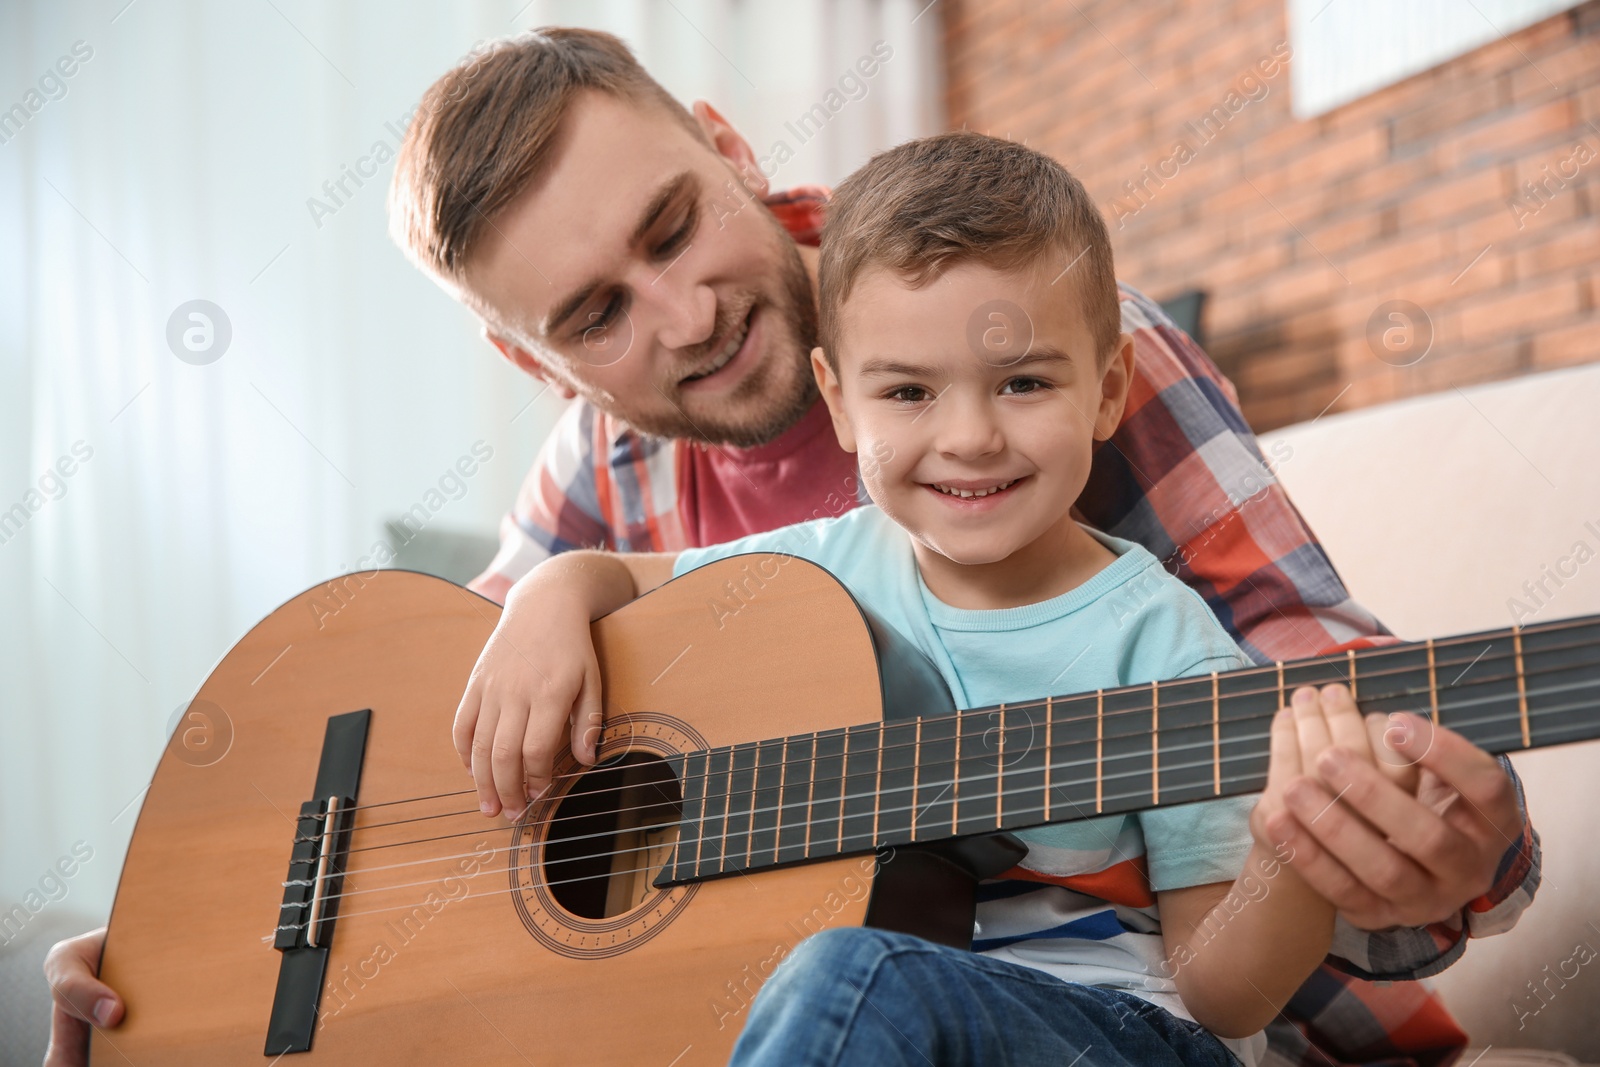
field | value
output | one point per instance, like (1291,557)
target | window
(1345,49)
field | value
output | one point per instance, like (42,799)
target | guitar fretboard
(1064,758)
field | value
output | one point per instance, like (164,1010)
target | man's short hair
(485,131)
(962,197)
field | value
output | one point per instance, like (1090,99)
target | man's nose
(685,309)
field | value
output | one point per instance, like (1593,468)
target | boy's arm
(538,673)
(1238,951)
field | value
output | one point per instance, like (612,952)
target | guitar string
(976,779)
(812,763)
(1037,705)
(609,874)
(611,762)
(1325,660)
(776,829)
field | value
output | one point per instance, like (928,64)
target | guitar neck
(1064,758)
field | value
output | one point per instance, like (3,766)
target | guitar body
(448,946)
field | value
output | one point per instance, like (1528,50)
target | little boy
(972,356)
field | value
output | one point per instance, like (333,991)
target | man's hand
(1385,857)
(79,996)
(1304,733)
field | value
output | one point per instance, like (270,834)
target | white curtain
(153,507)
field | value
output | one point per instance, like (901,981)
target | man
(629,252)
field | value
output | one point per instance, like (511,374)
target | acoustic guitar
(310,878)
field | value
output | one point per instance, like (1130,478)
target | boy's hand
(536,675)
(1316,729)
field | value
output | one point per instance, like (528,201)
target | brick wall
(1317,241)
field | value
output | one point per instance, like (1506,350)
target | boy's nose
(968,428)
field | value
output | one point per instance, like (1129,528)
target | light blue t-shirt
(1130,623)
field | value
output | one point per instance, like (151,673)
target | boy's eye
(1024,385)
(907,394)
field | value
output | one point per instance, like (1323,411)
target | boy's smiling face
(943,394)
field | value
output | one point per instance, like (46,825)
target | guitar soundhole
(611,834)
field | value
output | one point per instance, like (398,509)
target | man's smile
(727,353)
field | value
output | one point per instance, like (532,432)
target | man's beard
(790,333)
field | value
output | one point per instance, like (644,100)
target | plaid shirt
(1182,476)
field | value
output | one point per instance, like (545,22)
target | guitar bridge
(312,889)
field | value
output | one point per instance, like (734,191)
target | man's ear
(732,146)
(833,396)
(1115,381)
(520,358)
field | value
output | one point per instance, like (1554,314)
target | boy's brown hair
(962,197)
(485,131)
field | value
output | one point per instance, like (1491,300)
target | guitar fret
(1048,751)
(828,834)
(863,763)
(700,804)
(974,761)
(743,770)
(936,746)
(811,786)
(955,781)
(1281,702)
(877,788)
(844,783)
(916,768)
(1351,659)
(766,798)
(1000,770)
(1433,684)
(718,773)
(777,825)
(843,792)
(1023,762)
(1155,742)
(1099,748)
(1522,687)
(1216,738)
(897,764)
(794,798)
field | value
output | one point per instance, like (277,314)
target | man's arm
(558,508)
(1183,476)
(1468,808)
(77,997)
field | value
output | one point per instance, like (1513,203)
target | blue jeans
(853,995)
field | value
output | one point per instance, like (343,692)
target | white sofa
(1435,511)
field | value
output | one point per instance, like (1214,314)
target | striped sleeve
(1184,476)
